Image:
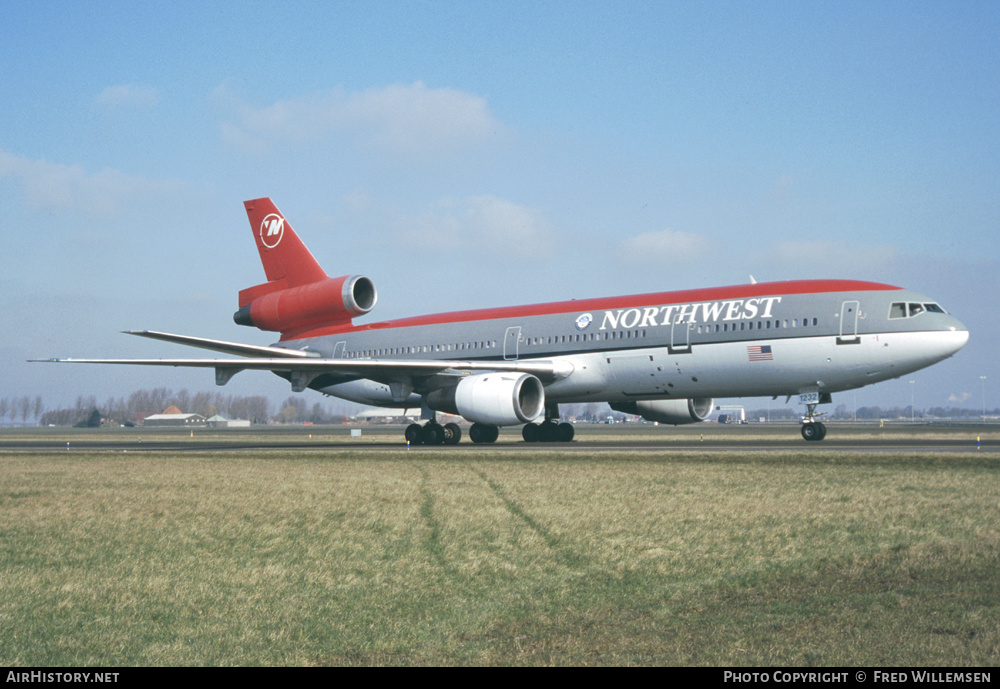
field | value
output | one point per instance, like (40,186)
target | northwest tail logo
(271,230)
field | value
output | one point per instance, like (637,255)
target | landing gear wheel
(414,434)
(813,431)
(483,433)
(548,432)
(565,432)
(530,432)
(452,434)
(432,434)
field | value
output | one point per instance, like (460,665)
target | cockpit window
(903,310)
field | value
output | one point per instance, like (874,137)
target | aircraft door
(849,323)
(339,349)
(511,342)
(680,336)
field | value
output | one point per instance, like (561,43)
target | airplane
(664,356)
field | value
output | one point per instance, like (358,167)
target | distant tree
(93,420)
(202,404)
(182,400)
(869,413)
(256,409)
(293,409)
(39,407)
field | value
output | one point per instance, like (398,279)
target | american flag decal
(760,353)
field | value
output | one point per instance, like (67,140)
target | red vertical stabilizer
(298,294)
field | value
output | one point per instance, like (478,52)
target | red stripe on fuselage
(763,289)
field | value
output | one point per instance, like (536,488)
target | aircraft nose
(953,339)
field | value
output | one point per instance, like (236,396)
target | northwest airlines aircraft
(664,356)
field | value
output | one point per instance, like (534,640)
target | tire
(565,432)
(432,434)
(548,432)
(414,434)
(813,431)
(452,434)
(530,433)
(482,433)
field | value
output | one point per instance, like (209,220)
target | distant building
(173,418)
(219,421)
(382,415)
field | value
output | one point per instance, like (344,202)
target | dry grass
(475,558)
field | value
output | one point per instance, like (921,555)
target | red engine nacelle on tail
(327,302)
(298,295)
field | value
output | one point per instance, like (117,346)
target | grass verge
(792,558)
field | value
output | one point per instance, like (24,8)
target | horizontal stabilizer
(237,348)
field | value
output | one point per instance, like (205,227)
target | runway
(589,439)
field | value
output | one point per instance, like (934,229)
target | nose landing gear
(812,429)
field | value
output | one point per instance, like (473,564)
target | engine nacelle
(674,412)
(494,399)
(327,302)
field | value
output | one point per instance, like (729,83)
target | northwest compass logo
(271,230)
(584,320)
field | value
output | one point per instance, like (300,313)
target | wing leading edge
(302,368)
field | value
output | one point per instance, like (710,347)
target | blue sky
(487,154)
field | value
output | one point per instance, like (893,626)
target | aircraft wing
(303,370)
(360,368)
(303,367)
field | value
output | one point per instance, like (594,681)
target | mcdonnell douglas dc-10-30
(664,356)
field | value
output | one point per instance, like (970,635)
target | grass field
(471,557)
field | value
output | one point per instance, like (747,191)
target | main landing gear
(433,433)
(549,431)
(812,429)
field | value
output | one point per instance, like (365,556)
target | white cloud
(411,119)
(56,187)
(479,226)
(663,247)
(128,95)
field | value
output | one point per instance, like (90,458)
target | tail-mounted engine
(298,296)
(327,302)
(674,412)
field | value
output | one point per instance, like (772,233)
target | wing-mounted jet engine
(674,412)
